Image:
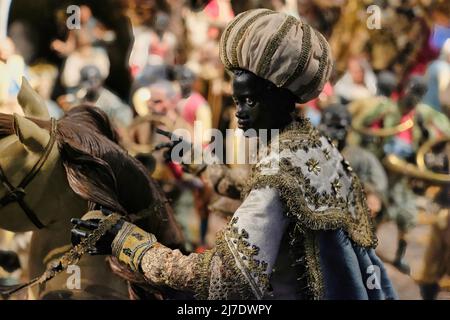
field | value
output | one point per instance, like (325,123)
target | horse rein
(17,194)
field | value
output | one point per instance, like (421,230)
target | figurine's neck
(283,121)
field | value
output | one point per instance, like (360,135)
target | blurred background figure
(154,46)
(193,106)
(371,113)
(12,69)
(357,83)
(92,84)
(84,47)
(336,124)
(196,111)
(14,258)
(436,260)
(437,255)
(25,39)
(91,90)
(162,42)
(161,112)
(438,78)
(428,123)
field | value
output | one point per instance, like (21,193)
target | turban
(279,48)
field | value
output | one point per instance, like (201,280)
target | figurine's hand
(84,226)
(58,45)
(190,167)
(124,240)
(168,148)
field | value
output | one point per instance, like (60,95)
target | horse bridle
(17,194)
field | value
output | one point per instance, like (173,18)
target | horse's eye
(250,102)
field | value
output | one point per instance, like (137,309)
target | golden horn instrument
(385,132)
(394,163)
(425,148)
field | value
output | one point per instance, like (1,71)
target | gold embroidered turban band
(279,48)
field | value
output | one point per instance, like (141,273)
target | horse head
(33,185)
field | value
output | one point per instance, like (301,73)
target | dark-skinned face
(253,109)
(335,125)
(414,92)
(410,100)
(186,87)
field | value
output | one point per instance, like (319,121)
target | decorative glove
(130,245)
(124,240)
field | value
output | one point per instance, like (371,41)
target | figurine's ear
(30,134)
(32,103)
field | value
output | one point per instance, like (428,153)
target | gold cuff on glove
(130,245)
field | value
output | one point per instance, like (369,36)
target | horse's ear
(30,134)
(32,103)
